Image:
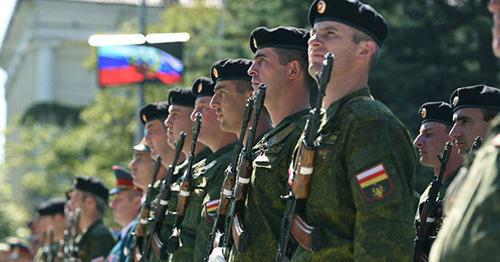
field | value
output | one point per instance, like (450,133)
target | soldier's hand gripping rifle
(428,214)
(174,241)
(234,227)
(293,222)
(140,230)
(164,197)
(218,229)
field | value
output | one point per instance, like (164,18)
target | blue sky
(6,7)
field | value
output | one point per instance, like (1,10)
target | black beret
(52,207)
(91,185)
(437,112)
(231,69)
(142,147)
(155,111)
(279,37)
(203,86)
(181,97)
(478,96)
(353,13)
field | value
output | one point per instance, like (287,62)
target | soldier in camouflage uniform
(279,62)
(94,240)
(182,102)
(436,124)
(51,221)
(474,107)
(126,203)
(362,186)
(471,231)
(208,173)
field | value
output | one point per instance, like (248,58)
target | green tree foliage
(434,46)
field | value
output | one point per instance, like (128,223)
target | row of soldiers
(289,157)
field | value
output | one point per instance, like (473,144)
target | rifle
(164,197)
(140,230)
(234,227)
(428,214)
(226,193)
(293,222)
(478,141)
(174,241)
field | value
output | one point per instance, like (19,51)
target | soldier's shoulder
(365,110)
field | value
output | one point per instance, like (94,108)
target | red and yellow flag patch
(375,183)
(212,206)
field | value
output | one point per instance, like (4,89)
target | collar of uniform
(221,151)
(90,228)
(284,123)
(332,109)
(202,155)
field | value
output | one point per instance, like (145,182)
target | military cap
(203,86)
(91,185)
(353,13)
(52,207)
(436,112)
(181,97)
(124,180)
(231,69)
(155,111)
(478,96)
(279,37)
(142,147)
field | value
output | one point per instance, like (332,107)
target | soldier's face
(335,38)
(178,120)
(229,105)
(156,135)
(430,141)
(141,167)
(76,200)
(267,69)
(124,206)
(209,127)
(468,124)
(494,8)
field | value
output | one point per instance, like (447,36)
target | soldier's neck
(292,101)
(162,172)
(89,219)
(220,140)
(341,85)
(187,148)
(263,125)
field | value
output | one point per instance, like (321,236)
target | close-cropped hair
(286,56)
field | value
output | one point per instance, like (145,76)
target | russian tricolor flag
(123,65)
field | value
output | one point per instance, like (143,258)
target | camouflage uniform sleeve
(380,164)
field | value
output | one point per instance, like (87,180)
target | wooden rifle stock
(140,230)
(228,185)
(428,215)
(174,241)
(242,183)
(163,200)
(293,223)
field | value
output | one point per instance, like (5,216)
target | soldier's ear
(366,49)
(294,69)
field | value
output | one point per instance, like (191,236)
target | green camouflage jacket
(192,213)
(471,231)
(264,208)
(213,172)
(362,187)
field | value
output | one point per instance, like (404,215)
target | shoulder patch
(374,182)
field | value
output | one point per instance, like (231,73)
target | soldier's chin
(315,68)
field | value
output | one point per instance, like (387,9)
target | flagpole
(140,87)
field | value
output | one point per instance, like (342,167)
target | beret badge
(321,7)
(455,101)
(423,112)
(215,72)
